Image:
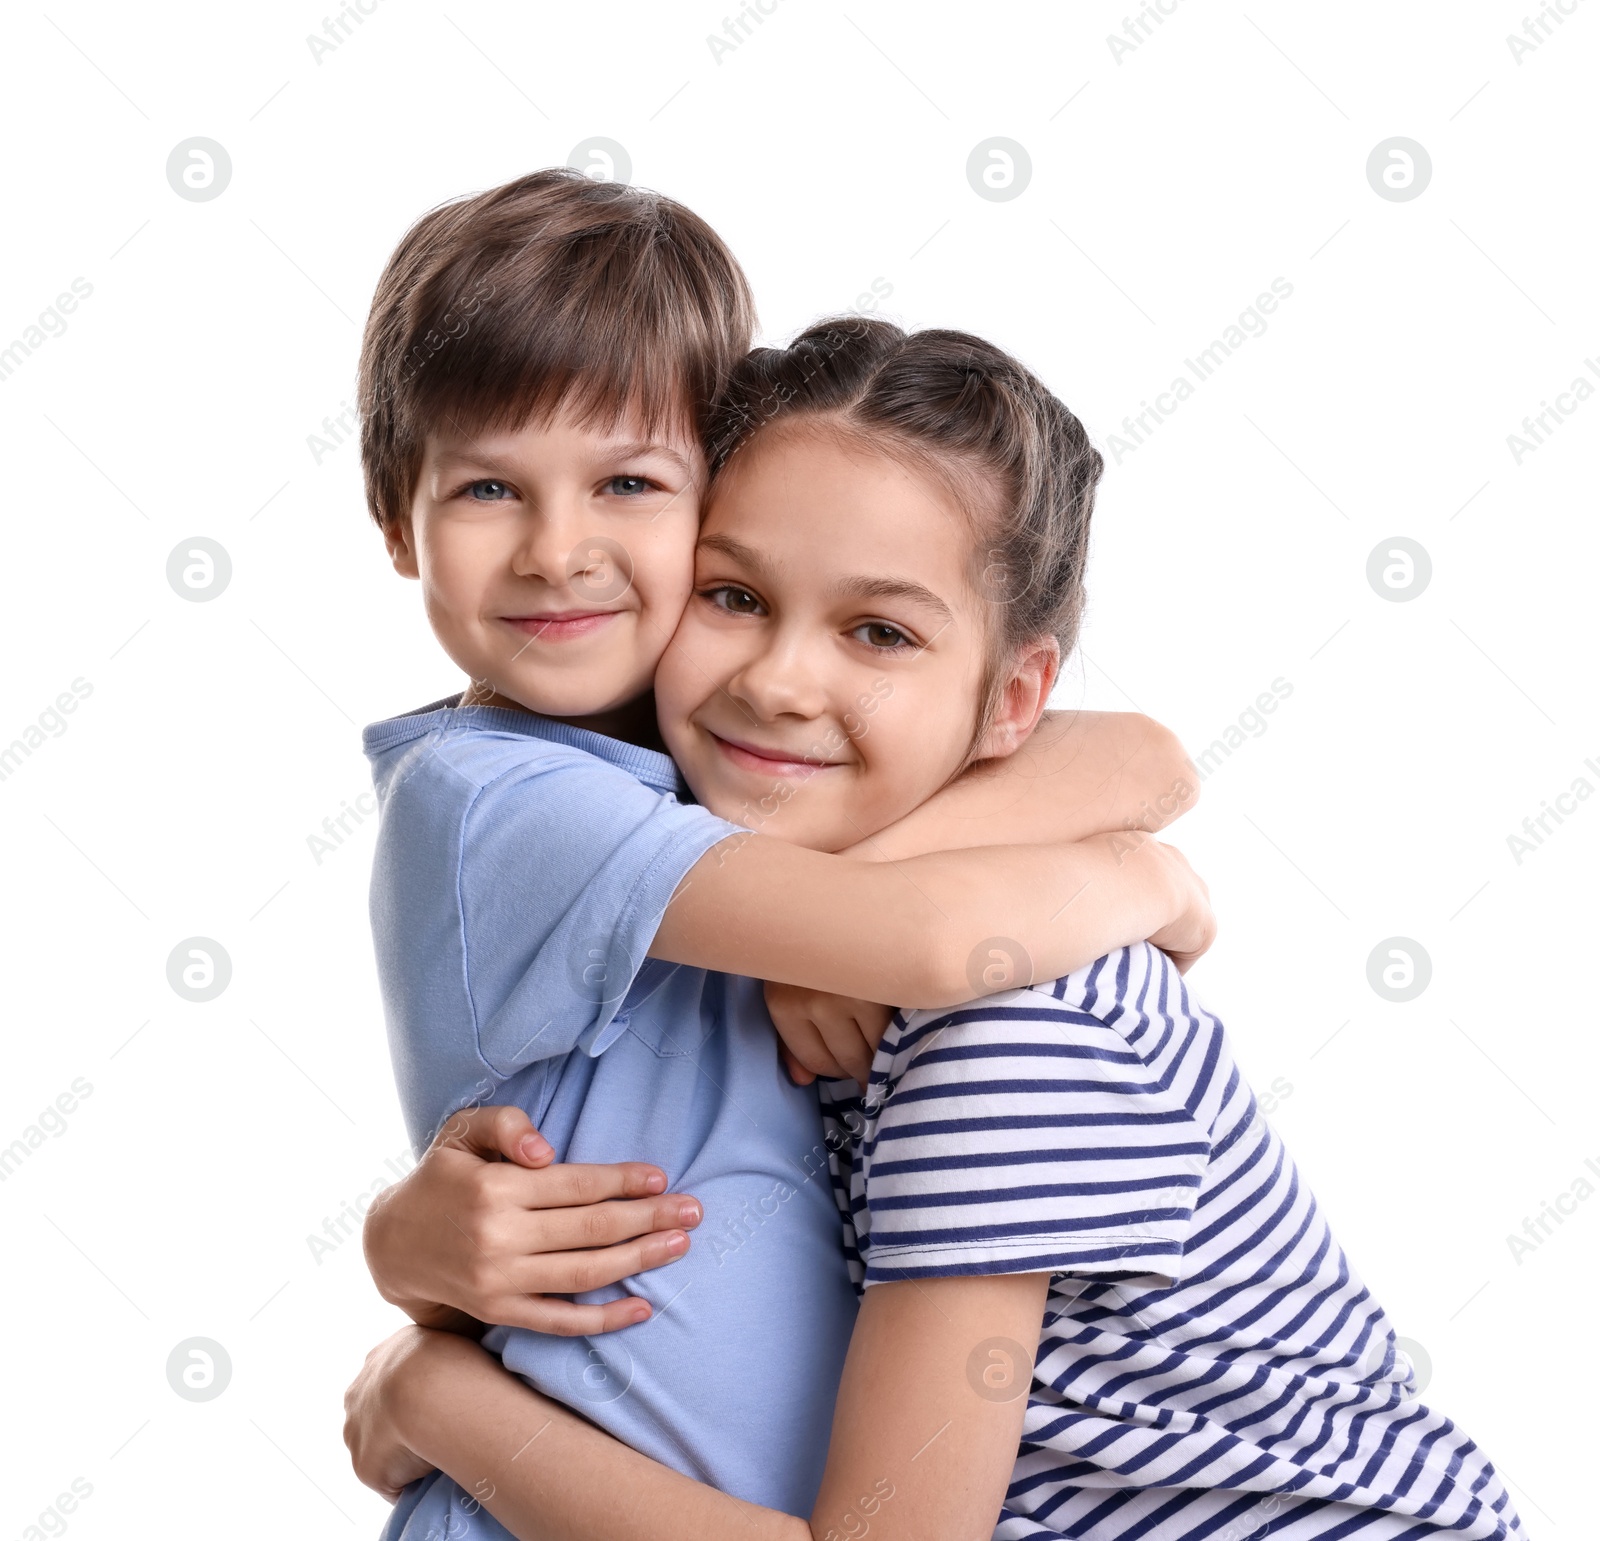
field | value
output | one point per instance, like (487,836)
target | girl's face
(825,678)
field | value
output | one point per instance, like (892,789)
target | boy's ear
(1023,698)
(401,541)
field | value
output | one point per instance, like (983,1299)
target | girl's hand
(1187,937)
(374,1412)
(823,1034)
(487,1226)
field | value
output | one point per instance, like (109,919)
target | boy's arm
(1078,774)
(925,1434)
(932,930)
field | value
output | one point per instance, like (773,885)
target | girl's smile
(771,761)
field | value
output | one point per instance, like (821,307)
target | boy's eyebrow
(471,454)
(651,447)
(846,588)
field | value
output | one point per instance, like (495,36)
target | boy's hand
(488,1225)
(823,1034)
(1189,936)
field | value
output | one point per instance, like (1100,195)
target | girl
(1097,1299)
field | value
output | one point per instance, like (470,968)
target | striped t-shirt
(1211,1368)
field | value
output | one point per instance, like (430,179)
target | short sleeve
(567,865)
(1023,1135)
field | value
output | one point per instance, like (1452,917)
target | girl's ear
(1023,698)
(401,541)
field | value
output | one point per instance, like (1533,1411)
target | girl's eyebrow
(734,550)
(893,588)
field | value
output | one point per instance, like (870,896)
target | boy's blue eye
(488,491)
(629,486)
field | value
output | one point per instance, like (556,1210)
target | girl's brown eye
(878,634)
(738,601)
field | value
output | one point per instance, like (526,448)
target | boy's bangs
(603,369)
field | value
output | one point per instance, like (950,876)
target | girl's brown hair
(951,403)
(551,291)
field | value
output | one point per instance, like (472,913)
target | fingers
(808,1046)
(563,1319)
(588,1226)
(503,1257)
(530,1303)
(797,1072)
(496,1133)
(845,1043)
(873,1021)
(577,1184)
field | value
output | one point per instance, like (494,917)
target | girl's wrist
(418,1391)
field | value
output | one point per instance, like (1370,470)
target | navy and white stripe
(1211,1368)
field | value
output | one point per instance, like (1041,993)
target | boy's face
(825,678)
(556,559)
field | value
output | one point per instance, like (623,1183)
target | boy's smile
(555,561)
(560,625)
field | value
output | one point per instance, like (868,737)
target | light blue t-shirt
(522,867)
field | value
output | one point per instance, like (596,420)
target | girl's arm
(925,1434)
(1078,774)
(922,932)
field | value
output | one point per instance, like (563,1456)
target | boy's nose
(545,546)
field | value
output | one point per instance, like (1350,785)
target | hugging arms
(487,1229)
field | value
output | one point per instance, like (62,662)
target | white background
(1169,187)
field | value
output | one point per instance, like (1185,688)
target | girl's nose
(785,678)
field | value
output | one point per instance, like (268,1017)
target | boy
(535,377)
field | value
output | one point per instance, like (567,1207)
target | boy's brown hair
(553,290)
